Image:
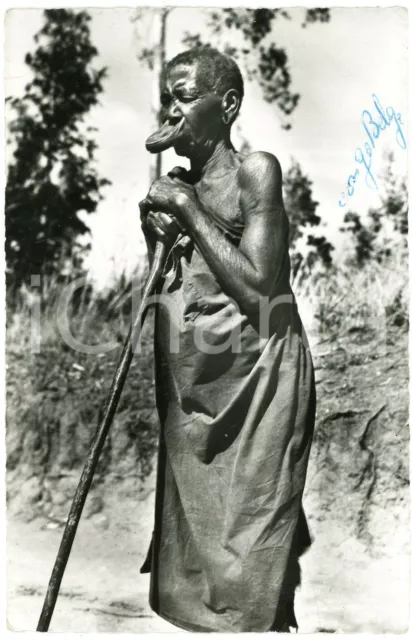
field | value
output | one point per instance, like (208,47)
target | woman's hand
(170,195)
(162,226)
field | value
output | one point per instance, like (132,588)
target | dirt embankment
(359,470)
(355,577)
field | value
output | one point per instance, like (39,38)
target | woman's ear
(230,106)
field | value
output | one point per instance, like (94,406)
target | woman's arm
(249,271)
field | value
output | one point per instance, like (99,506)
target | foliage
(299,203)
(55,393)
(301,209)
(264,59)
(362,235)
(322,251)
(357,312)
(384,229)
(51,177)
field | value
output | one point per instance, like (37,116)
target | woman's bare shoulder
(260,167)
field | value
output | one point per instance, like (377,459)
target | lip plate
(162,143)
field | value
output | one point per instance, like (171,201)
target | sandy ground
(343,589)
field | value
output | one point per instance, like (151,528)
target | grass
(55,393)
(349,306)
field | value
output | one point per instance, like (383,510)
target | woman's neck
(222,158)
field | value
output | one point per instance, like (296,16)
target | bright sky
(336,67)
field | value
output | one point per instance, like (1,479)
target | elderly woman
(234,376)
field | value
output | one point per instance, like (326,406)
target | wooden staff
(98,441)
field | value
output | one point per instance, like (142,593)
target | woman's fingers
(162,224)
(151,221)
(178,172)
(145,206)
(159,223)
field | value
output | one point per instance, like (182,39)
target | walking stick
(98,441)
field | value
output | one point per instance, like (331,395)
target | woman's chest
(220,199)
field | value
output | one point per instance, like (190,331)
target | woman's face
(182,96)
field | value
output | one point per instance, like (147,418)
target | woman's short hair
(218,72)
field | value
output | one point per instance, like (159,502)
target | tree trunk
(159,29)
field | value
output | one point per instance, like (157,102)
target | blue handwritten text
(373,124)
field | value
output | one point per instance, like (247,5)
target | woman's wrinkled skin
(184,111)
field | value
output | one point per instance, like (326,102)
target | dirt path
(343,588)
(102,590)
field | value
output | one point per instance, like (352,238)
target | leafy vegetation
(265,61)
(55,393)
(301,209)
(52,177)
(384,230)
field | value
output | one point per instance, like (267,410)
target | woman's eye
(185,97)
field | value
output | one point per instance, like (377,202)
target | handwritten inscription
(373,123)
